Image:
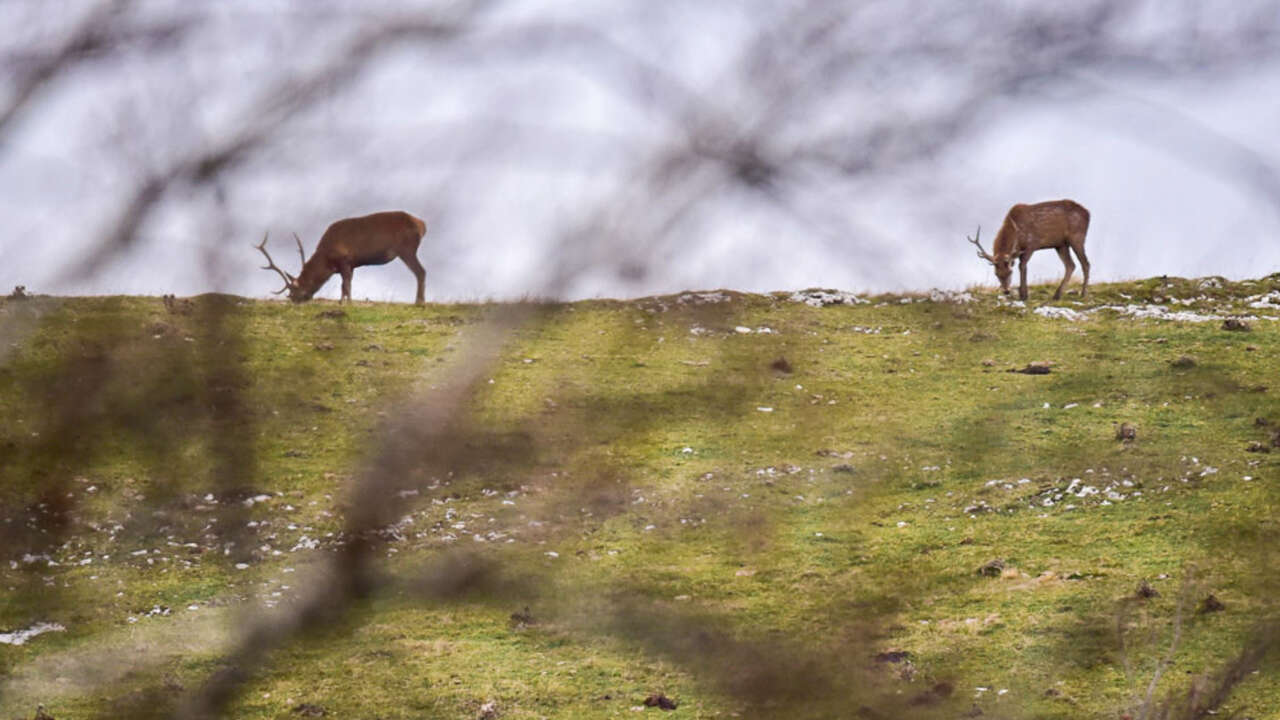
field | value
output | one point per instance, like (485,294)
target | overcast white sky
(503,149)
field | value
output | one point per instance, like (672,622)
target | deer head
(296,292)
(1003,266)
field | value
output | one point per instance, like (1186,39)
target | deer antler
(981,253)
(288,279)
(301,255)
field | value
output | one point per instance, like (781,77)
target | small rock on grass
(660,701)
(1235,325)
(488,711)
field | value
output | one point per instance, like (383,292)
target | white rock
(20,637)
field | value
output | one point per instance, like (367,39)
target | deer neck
(314,274)
(1006,241)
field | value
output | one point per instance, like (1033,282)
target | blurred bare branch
(808,97)
(104,30)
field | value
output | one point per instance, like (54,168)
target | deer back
(1028,228)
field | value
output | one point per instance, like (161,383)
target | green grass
(616,474)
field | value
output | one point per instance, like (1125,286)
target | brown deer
(374,239)
(1058,224)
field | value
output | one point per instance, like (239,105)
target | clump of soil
(176,306)
(161,329)
(992,569)
(1126,432)
(660,701)
(892,656)
(1145,591)
(1210,604)
(522,618)
(1183,362)
(934,695)
(781,366)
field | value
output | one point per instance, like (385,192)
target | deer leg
(1078,246)
(1065,253)
(346,282)
(419,272)
(1022,276)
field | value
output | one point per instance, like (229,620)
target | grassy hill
(753,505)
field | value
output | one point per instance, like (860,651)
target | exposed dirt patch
(660,701)
(1037,367)
(1210,604)
(992,568)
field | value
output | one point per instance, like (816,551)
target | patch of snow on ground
(702,298)
(20,637)
(1157,312)
(1269,301)
(821,298)
(1050,311)
(951,296)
